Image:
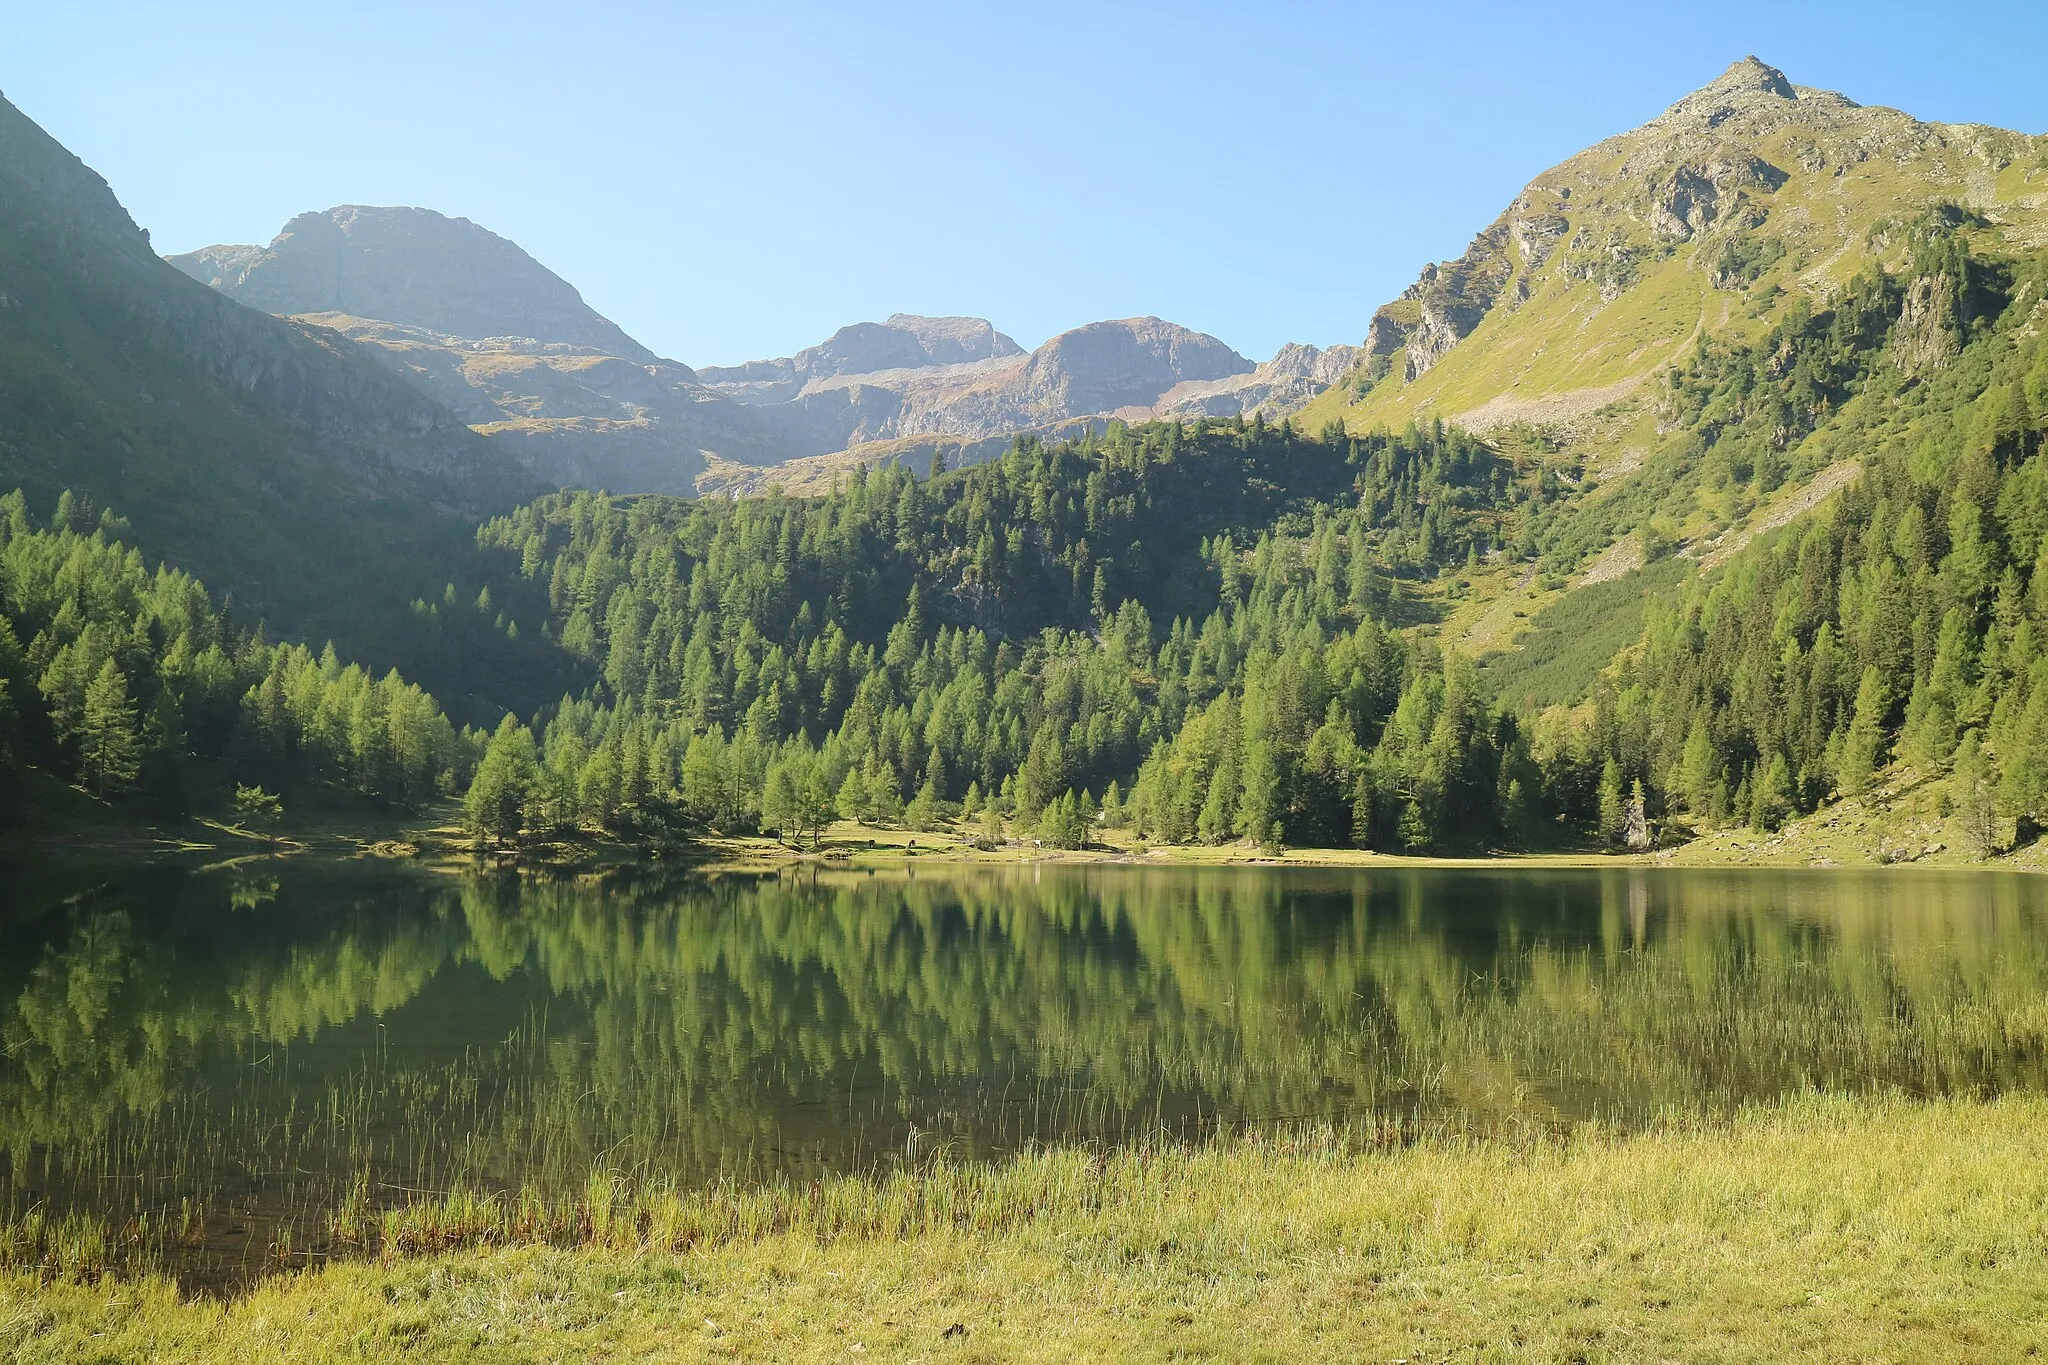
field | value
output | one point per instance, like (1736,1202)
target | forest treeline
(1199,632)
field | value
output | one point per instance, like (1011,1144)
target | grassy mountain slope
(280,463)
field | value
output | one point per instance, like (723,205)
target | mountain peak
(410,266)
(1752,74)
(1747,84)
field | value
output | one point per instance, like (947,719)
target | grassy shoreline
(1901,822)
(1819,1229)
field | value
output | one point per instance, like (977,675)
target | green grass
(1572,639)
(1822,1230)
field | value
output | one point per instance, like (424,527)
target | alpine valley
(1697,507)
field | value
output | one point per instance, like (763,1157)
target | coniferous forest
(1199,632)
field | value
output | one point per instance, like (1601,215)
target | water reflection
(257,1043)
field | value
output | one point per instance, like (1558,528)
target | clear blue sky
(738,180)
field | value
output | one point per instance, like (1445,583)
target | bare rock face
(1443,306)
(1929,332)
(409,266)
(1280,385)
(1107,366)
(1536,234)
(1694,198)
(904,342)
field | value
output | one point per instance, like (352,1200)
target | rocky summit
(413,267)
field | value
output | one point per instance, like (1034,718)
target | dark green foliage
(129,675)
(1195,608)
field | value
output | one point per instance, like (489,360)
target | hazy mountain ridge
(477,324)
(1273,388)
(1132,369)
(904,342)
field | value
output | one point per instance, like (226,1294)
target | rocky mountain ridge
(472,321)
(1740,213)
(904,342)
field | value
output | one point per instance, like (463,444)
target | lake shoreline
(894,849)
(445,849)
(1896,825)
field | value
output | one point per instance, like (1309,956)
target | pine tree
(1699,769)
(1113,813)
(1770,794)
(109,749)
(1863,748)
(991,828)
(1972,785)
(1613,816)
(854,801)
(1414,827)
(922,815)
(499,794)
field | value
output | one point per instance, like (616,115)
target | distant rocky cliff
(1278,386)
(820,402)
(904,342)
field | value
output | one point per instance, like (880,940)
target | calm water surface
(251,1044)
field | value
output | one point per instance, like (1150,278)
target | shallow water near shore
(224,1056)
